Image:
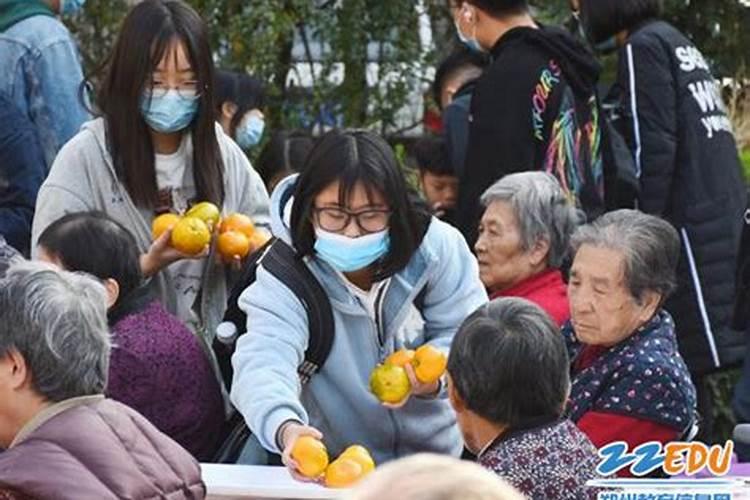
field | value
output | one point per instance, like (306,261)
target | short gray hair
(542,211)
(650,247)
(57,320)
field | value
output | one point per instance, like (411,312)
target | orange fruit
(238,222)
(207,212)
(389,383)
(190,236)
(258,239)
(233,244)
(163,223)
(343,472)
(400,358)
(429,364)
(360,454)
(311,456)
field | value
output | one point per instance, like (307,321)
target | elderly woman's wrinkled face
(603,310)
(502,260)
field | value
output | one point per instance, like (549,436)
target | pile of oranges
(192,233)
(351,466)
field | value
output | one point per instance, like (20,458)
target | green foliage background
(257,36)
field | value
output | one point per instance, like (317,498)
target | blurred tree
(352,62)
(367,62)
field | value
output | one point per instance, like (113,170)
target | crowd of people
(580,294)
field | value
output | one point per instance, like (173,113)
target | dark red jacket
(547,290)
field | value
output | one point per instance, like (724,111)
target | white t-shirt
(174,173)
(171,175)
(367,298)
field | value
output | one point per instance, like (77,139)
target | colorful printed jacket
(535,108)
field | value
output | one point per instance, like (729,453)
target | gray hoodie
(83,178)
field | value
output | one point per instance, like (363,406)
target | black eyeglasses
(338,219)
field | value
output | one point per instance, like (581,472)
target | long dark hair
(605,18)
(148,31)
(245,91)
(350,157)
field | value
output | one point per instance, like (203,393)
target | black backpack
(282,261)
(622,186)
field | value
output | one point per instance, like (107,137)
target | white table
(258,482)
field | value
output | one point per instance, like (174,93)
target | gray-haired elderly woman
(523,240)
(62,438)
(629,381)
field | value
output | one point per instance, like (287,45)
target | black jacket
(677,127)
(534,108)
(456,127)
(22,171)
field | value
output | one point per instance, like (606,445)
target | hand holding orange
(311,456)
(429,364)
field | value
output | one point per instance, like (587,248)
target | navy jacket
(677,127)
(22,171)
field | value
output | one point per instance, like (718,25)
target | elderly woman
(508,382)
(62,438)
(629,381)
(523,240)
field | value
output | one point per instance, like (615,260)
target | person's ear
(649,304)
(14,369)
(538,253)
(470,13)
(113,291)
(455,399)
(228,109)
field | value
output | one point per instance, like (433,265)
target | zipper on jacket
(379,314)
(395,433)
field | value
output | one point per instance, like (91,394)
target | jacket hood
(578,64)
(15,11)
(282,200)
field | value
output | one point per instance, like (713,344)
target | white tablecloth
(258,482)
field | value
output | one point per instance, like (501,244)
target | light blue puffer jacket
(337,400)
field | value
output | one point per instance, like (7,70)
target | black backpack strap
(282,261)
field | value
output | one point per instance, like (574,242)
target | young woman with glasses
(374,250)
(156,148)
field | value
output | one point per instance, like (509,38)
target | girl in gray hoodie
(155,148)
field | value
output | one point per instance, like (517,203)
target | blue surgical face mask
(170,112)
(351,254)
(68,7)
(471,43)
(250,131)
